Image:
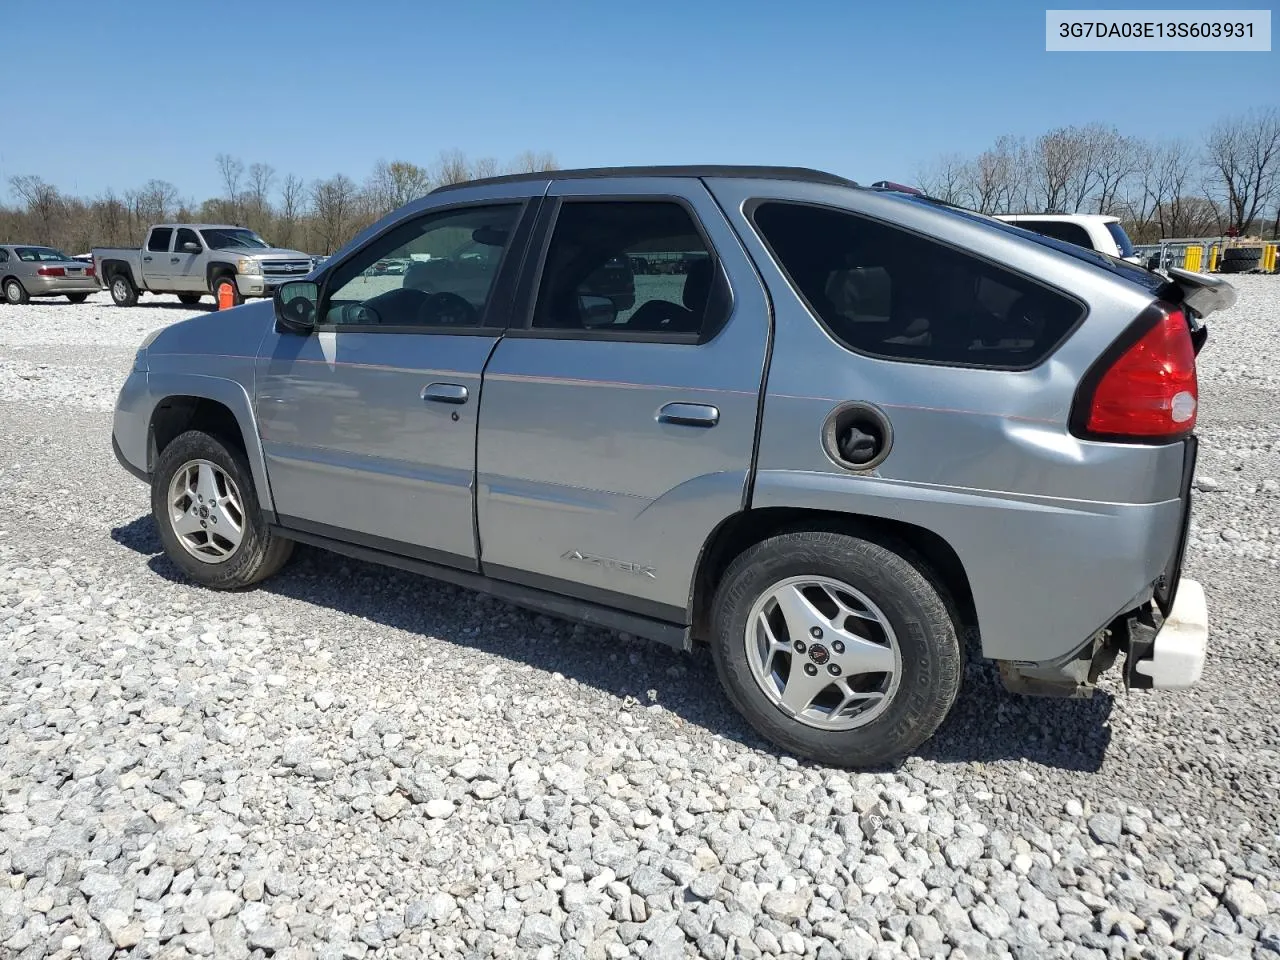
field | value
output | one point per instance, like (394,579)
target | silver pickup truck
(193,260)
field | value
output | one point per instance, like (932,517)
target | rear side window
(1121,238)
(4,256)
(889,293)
(158,242)
(1059,230)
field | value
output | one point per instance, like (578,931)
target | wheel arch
(928,551)
(215,270)
(215,405)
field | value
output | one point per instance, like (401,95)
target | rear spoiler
(1199,292)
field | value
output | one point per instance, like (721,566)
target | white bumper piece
(1177,657)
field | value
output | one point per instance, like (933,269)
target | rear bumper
(57,286)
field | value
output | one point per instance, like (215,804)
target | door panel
(155,263)
(584,485)
(352,444)
(369,424)
(186,269)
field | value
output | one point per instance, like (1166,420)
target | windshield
(1121,238)
(1123,268)
(39,254)
(234,240)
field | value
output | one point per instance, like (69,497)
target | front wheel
(189,298)
(77,297)
(206,512)
(123,292)
(835,648)
(15,292)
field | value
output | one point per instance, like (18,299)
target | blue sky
(870,91)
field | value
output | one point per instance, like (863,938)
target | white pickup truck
(194,260)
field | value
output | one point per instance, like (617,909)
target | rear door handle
(147,259)
(445,392)
(689,414)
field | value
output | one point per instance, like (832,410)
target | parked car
(28,270)
(194,260)
(1090,230)
(862,424)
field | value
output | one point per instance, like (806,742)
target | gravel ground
(351,761)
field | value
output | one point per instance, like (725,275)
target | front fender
(232,395)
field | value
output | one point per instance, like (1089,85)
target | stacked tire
(1240,259)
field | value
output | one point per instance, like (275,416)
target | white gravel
(354,761)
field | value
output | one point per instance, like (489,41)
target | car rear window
(1121,238)
(890,293)
(1060,230)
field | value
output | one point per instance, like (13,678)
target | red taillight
(1147,390)
(51,271)
(88,270)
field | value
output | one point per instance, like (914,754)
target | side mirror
(597,311)
(190,247)
(296,304)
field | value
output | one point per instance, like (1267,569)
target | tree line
(1228,178)
(316,217)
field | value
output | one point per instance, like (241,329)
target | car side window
(890,293)
(1060,230)
(434,272)
(627,267)
(186,235)
(158,242)
(4,256)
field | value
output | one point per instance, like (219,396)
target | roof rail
(802,174)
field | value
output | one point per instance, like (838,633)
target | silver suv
(841,429)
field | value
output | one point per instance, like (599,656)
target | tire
(77,297)
(15,292)
(1238,265)
(913,618)
(258,554)
(189,298)
(1241,253)
(236,299)
(123,292)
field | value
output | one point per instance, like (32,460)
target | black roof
(803,174)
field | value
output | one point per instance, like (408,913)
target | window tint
(886,292)
(4,256)
(436,271)
(1121,238)
(158,242)
(185,236)
(40,255)
(1059,230)
(626,267)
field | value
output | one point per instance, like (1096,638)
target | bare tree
(156,201)
(451,167)
(392,185)
(484,167)
(1115,159)
(231,170)
(110,218)
(531,162)
(334,201)
(951,180)
(293,201)
(258,195)
(43,202)
(1243,156)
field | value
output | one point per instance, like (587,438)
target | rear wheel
(207,514)
(123,292)
(15,292)
(77,297)
(835,648)
(189,298)
(220,285)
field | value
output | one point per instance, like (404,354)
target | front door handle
(445,392)
(174,259)
(689,414)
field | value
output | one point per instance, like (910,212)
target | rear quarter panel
(1056,534)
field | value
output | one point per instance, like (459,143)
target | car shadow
(986,724)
